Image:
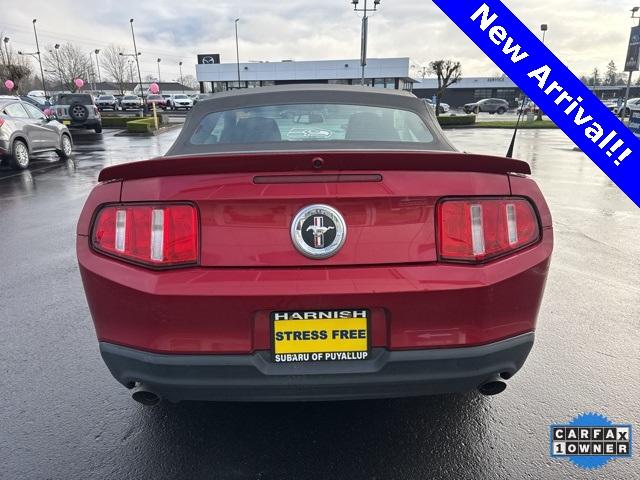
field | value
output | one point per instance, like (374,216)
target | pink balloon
(154,88)
(78,82)
(9,84)
(48,112)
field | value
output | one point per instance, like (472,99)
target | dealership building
(470,89)
(379,72)
(395,73)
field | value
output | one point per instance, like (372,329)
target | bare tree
(448,73)
(70,62)
(13,67)
(190,82)
(116,66)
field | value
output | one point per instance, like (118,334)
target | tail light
(479,229)
(160,235)
(1,121)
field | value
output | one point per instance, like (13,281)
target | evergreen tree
(611,76)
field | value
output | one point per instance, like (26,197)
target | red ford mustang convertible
(314,243)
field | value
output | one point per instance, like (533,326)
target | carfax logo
(590,440)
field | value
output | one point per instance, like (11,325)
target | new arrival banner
(552,86)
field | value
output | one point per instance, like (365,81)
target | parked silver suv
(24,130)
(488,105)
(107,101)
(131,101)
(77,110)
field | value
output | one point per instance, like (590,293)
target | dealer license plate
(320,335)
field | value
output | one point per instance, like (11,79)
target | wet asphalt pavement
(62,415)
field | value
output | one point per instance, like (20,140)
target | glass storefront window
(480,93)
(218,86)
(385,83)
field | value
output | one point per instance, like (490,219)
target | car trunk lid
(246,212)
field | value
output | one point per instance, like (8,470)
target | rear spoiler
(287,161)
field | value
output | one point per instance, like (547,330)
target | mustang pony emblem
(318,229)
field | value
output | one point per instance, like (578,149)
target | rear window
(130,97)
(74,98)
(311,123)
(106,97)
(39,100)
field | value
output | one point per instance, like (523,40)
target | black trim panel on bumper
(5,148)
(384,374)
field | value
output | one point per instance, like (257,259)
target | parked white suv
(444,107)
(632,104)
(179,100)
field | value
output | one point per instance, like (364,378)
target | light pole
(634,11)
(130,63)
(57,54)
(135,55)
(365,31)
(5,40)
(35,33)
(96,52)
(159,60)
(181,84)
(93,73)
(543,28)
(35,56)
(237,51)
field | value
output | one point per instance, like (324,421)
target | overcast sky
(582,33)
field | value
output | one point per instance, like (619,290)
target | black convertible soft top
(309,94)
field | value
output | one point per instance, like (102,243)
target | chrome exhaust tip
(141,395)
(492,387)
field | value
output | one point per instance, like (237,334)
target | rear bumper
(204,311)
(254,377)
(92,123)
